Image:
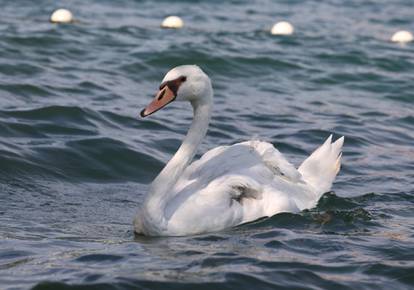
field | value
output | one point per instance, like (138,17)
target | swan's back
(230,185)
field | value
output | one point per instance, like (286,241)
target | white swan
(229,185)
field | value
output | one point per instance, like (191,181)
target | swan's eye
(173,85)
(163,85)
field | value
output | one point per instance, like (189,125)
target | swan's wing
(252,155)
(214,168)
(275,161)
(222,203)
(234,173)
(230,185)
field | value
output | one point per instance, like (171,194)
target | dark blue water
(76,161)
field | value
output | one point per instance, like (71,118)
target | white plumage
(229,185)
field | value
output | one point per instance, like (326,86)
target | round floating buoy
(282,28)
(172,22)
(402,36)
(61,16)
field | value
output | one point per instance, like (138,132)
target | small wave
(98,159)
(26,90)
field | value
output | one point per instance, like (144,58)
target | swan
(228,185)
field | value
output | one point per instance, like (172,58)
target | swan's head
(182,83)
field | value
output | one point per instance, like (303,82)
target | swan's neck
(160,190)
(175,167)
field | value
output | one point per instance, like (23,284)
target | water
(76,160)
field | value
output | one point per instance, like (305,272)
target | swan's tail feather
(321,167)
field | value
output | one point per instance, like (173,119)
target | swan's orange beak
(163,98)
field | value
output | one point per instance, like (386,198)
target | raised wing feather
(239,157)
(231,173)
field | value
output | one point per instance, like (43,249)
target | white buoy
(282,28)
(402,36)
(172,22)
(61,16)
